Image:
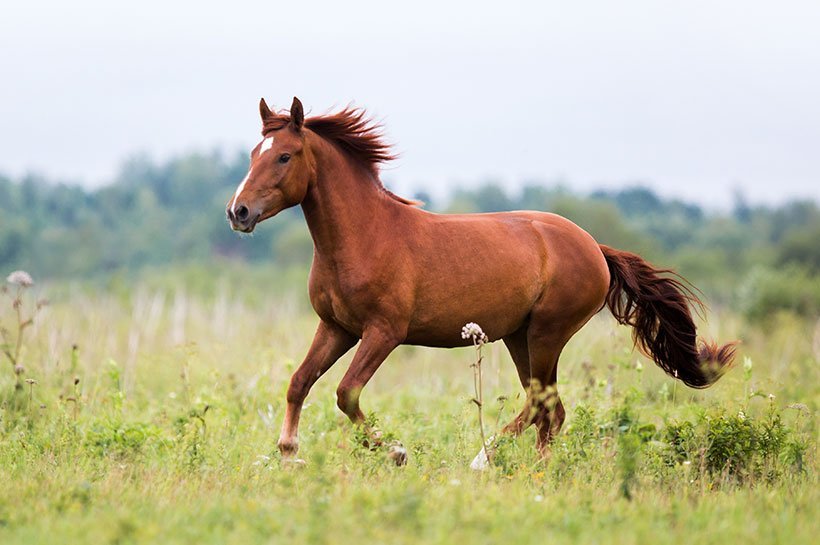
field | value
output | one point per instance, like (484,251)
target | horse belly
(499,302)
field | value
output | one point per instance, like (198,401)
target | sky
(696,99)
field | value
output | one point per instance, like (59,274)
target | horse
(386,272)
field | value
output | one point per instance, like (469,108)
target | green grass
(169,436)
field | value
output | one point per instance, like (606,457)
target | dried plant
(474,332)
(11,344)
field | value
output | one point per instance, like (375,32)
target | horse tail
(655,302)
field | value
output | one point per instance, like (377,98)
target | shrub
(765,292)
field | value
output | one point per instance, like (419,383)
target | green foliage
(802,248)
(126,439)
(765,292)
(737,446)
(176,441)
(151,214)
(173,212)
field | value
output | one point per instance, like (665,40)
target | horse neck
(341,206)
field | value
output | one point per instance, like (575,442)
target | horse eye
(284,158)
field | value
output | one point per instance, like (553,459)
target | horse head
(280,170)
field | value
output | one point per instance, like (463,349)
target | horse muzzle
(242,218)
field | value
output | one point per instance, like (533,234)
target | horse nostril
(241,212)
(229,213)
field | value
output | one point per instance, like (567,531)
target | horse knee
(347,399)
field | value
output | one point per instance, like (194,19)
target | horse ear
(264,111)
(297,114)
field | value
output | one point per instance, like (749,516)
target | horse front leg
(377,343)
(329,344)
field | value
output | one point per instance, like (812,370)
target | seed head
(473,331)
(20,278)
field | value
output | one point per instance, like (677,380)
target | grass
(160,426)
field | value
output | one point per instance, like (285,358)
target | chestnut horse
(388,273)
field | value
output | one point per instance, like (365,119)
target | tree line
(759,258)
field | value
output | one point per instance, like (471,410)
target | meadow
(150,406)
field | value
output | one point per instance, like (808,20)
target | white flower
(262,460)
(20,278)
(741,415)
(539,498)
(473,331)
(638,366)
(747,363)
(771,397)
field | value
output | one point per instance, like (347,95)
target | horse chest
(340,300)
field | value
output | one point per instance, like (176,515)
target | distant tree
(802,247)
(426,199)
(491,198)
(741,210)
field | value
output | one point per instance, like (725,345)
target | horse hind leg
(519,351)
(549,413)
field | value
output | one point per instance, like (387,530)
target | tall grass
(155,413)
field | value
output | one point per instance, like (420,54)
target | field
(150,408)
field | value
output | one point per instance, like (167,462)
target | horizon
(442,195)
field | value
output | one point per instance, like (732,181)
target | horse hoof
(398,454)
(288,447)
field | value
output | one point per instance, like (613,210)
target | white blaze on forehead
(267,144)
(239,190)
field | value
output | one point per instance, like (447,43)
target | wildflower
(262,460)
(19,369)
(747,364)
(741,415)
(539,498)
(771,397)
(638,366)
(20,278)
(473,331)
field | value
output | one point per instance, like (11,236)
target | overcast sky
(693,98)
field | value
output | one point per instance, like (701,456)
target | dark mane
(353,132)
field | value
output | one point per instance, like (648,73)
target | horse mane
(355,133)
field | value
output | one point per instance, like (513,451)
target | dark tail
(656,303)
